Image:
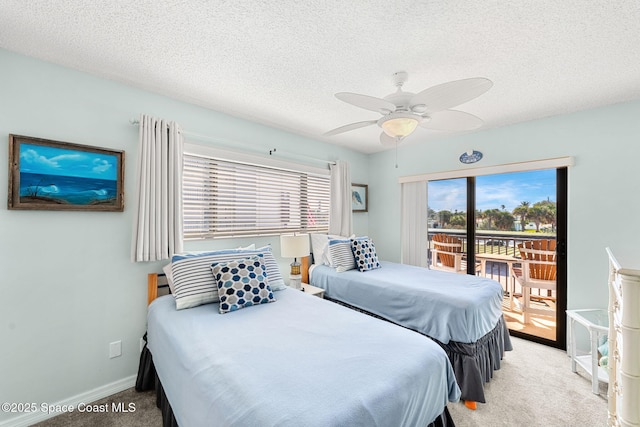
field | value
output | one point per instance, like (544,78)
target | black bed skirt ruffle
(168,420)
(473,363)
(148,380)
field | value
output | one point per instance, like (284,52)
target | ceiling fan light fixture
(399,124)
(403,111)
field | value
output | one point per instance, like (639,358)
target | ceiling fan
(402,111)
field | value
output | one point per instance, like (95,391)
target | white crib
(624,344)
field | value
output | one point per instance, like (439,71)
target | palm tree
(479,218)
(537,214)
(491,215)
(522,211)
(445,217)
(504,221)
(548,212)
(458,220)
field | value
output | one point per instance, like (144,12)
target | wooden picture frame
(359,197)
(62,176)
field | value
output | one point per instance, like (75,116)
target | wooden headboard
(304,269)
(157,285)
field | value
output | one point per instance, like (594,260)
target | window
(230,198)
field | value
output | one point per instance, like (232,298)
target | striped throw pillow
(193,280)
(340,255)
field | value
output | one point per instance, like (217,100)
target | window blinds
(223,198)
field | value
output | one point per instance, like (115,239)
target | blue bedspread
(300,361)
(445,306)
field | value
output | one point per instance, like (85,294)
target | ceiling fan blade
(351,126)
(371,103)
(451,120)
(447,95)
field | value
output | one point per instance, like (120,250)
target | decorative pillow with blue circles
(242,283)
(365,255)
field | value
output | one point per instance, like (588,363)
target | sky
(60,161)
(493,191)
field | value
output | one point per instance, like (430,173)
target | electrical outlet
(115,349)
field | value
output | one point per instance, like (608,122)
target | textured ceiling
(280,62)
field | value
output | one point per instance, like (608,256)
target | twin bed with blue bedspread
(283,357)
(462,313)
(300,361)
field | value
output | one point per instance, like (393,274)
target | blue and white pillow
(364,253)
(340,255)
(194,285)
(242,283)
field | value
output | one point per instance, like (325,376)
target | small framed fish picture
(359,197)
(54,175)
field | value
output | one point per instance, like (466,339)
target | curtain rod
(225,143)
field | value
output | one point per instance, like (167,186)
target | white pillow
(167,272)
(318,245)
(251,247)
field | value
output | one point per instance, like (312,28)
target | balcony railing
(492,242)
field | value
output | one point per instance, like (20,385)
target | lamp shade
(294,246)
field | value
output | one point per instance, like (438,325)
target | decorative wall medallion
(470,156)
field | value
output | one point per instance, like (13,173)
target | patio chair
(448,254)
(538,271)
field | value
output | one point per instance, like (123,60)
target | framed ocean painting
(54,175)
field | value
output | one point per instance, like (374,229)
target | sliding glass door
(447,224)
(512,229)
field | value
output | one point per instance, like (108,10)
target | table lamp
(294,246)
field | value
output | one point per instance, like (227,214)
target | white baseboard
(30,418)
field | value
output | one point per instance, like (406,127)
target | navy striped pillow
(195,285)
(340,255)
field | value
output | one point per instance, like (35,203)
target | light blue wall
(68,286)
(603,185)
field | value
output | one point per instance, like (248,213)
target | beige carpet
(534,387)
(146,413)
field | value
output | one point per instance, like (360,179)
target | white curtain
(157,228)
(340,216)
(414,223)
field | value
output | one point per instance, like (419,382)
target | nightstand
(312,290)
